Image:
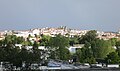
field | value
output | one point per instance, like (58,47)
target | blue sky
(103,15)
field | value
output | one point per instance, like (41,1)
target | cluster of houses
(54,31)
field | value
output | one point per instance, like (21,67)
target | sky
(103,15)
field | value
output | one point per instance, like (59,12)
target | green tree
(45,39)
(118,47)
(79,55)
(58,46)
(3,54)
(89,37)
(85,54)
(19,40)
(13,39)
(10,53)
(14,57)
(35,45)
(73,40)
(113,41)
(118,44)
(113,58)
(1,43)
(101,48)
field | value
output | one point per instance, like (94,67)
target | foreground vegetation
(57,48)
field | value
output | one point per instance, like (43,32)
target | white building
(72,49)
(36,31)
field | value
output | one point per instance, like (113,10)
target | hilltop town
(55,31)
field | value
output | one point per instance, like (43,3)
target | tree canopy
(59,45)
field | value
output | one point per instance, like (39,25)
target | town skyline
(27,29)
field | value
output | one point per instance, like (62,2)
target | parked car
(96,66)
(53,64)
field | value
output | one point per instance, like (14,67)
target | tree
(36,55)
(15,57)
(118,44)
(118,47)
(64,54)
(19,40)
(1,43)
(113,58)
(35,45)
(113,41)
(58,46)
(13,39)
(45,39)
(36,36)
(10,53)
(79,55)
(85,54)
(101,48)
(73,40)
(89,37)
(90,60)
(3,54)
